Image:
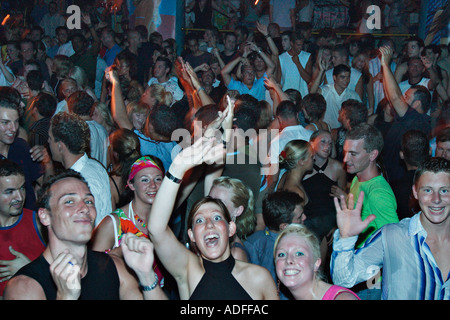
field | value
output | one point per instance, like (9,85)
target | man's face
(208,77)
(286,43)
(356,158)
(78,44)
(12,195)
(415,67)
(53,146)
(107,38)
(62,36)
(432,190)
(248,75)
(72,211)
(443,149)
(159,69)
(193,45)
(337,58)
(298,45)
(134,39)
(230,43)
(27,51)
(68,88)
(413,49)
(9,125)
(259,64)
(342,80)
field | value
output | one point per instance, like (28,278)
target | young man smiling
(413,253)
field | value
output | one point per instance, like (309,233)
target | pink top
(335,290)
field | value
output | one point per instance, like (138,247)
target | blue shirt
(258,90)
(410,271)
(111,54)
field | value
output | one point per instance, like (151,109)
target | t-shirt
(258,89)
(379,200)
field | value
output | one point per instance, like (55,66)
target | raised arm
(118,109)
(226,71)
(393,92)
(175,257)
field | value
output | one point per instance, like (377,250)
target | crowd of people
(263,162)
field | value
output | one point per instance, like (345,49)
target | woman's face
(322,145)
(146,184)
(211,232)
(294,261)
(359,62)
(138,120)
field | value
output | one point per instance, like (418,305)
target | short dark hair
(35,80)
(355,111)
(245,118)
(10,98)
(44,195)
(315,105)
(340,69)
(287,110)
(164,120)
(167,62)
(73,131)
(10,168)
(45,103)
(415,147)
(80,103)
(423,95)
(434,165)
(278,208)
(373,139)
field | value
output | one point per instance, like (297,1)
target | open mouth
(211,240)
(291,272)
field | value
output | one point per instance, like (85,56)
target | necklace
(135,215)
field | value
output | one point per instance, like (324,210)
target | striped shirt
(410,271)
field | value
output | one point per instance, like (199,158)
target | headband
(142,163)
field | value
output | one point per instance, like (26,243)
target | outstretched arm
(172,253)
(393,92)
(118,109)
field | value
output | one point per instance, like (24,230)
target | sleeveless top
(129,225)
(218,283)
(335,290)
(318,189)
(23,236)
(101,282)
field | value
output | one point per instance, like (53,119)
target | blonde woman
(79,75)
(238,198)
(297,264)
(296,159)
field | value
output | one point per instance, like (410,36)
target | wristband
(150,288)
(171,177)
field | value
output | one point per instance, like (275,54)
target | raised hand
(138,254)
(386,55)
(349,220)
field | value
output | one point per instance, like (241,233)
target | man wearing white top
(335,93)
(340,55)
(290,129)
(81,103)
(415,72)
(296,64)
(68,141)
(161,75)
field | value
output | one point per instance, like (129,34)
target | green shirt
(379,200)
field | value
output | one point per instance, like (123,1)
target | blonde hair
(103,109)
(137,107)
(310,238)
(161,95)
(294,151)
(241,195)
(79,75)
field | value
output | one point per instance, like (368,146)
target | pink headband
(142,163)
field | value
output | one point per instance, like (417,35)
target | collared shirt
(98,180)
(410,271)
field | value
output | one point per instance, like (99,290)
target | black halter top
(218,283)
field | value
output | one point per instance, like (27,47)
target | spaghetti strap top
(218,283)
(335,290)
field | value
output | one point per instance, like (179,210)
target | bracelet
(150,288)
(267,36)
(171,177)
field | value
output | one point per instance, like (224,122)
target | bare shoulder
(23,288)
(256,280)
